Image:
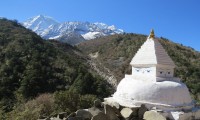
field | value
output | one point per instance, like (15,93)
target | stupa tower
(152,81)
(151,62)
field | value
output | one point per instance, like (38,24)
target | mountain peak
(44,17)
(49,28)
(39,23)
(40,15)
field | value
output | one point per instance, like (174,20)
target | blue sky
(177,20)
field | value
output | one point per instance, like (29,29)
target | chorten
(152,81)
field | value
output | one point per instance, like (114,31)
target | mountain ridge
(49,28)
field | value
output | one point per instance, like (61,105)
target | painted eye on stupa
(161,72)
(148,71)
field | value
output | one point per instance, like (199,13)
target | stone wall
(114,111)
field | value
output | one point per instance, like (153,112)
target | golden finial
(152,34)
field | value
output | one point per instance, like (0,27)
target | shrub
(40,106)
(70,101)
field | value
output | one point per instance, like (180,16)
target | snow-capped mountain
(48,28)
(39,23)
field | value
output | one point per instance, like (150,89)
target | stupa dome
(164,95)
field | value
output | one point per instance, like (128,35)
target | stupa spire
(152,53)
(152,35)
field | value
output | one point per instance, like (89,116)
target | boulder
(110,112)
(135,111)
(100,116)
(141,111)
(110,101)
(62,115)
(126,112)
(186,116)
(153,115)
(85,114)
(94,111)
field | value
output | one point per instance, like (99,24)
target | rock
(110,112)
(94,111)
(126,112)
(110,101)
(100,116)
(186,116)
(85,114)
(97,103)
(115,106)
(141,111)
(75,118)
(62,115)
(135,111)
(153,115)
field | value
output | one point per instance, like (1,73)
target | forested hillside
(31,66)
(115,52)
(40,78)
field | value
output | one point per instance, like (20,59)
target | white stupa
(152,81)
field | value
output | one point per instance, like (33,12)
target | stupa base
(186,112)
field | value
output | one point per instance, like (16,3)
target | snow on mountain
(48,28)
(71,38)
(92,35)
(39,23)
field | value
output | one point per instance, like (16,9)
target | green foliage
(43,105)
(88,84)
(66,101)
(70,101)
(31,66)
(86,101)
(49,104)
